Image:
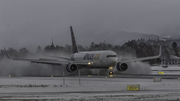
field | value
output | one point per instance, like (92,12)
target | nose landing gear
(111,70)
(110,73)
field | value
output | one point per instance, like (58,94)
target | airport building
(173,60)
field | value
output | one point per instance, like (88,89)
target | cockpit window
(111,56)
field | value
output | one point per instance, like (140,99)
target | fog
(21,68)
(34,22)
(138,68)
(25,68)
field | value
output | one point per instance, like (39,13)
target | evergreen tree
(23,52)
(175,49)
(39,49)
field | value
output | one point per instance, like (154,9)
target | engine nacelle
(121,67)
(71,68)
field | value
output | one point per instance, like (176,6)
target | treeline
(133,48)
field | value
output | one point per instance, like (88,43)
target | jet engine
(121,66)
(71,68)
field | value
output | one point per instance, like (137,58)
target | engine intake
(71,68)
(122,67)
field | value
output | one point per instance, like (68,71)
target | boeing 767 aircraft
(88,59)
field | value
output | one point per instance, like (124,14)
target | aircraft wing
(48,61)
(40,60)
(59,57)
(141,59)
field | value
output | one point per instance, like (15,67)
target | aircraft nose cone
(112,62)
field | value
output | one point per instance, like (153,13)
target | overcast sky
(34,22)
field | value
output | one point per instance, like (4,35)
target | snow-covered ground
(171,69)
(95,88)
(92,88)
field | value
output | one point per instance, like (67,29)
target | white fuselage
(97,59)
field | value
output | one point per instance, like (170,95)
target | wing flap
(49,62)
(59,57)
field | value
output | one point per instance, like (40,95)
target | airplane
(105,59)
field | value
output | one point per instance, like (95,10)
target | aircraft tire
(110,73)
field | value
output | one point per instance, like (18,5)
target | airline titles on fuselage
(91,56)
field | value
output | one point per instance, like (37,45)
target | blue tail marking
(74,46)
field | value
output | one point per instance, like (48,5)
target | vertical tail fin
(74,46)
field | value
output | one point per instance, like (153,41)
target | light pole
(63,77)
(79,77)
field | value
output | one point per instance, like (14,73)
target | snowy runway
(96,88)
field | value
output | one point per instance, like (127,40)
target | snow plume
(138,68)
(134,67)
(22,68)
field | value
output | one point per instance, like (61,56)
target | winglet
(7,53)
(160,51)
